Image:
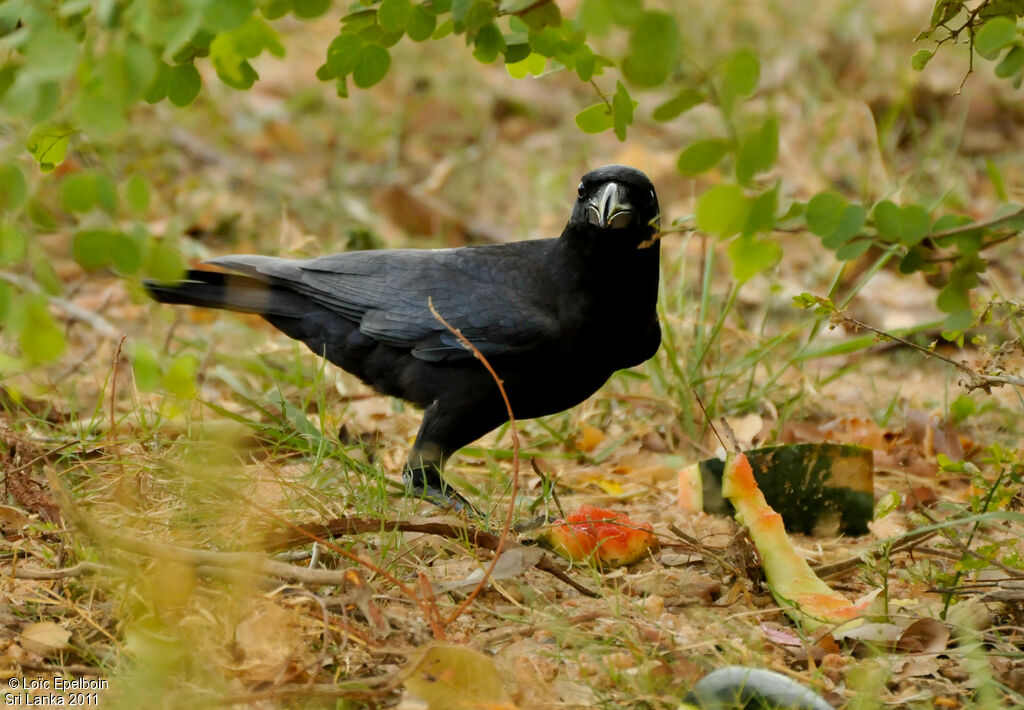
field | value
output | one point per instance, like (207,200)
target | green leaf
(654,49)
(273,9)
(489,43)
(46,277)
(225,15)
(752,256)
(534,64)
(958,321)
(511,7)
(920,59)
(157,90)
(183,84)
(702,155)
(758,151)
(762,213)
(955,296)
(106,192)
(913,260)
(371,66)
(12,244)
(460,9)
(851,222)
(164,262)
(359,20)
(888,222)
(998,184)
(547,42)
(444,29)
(308,9)
(49,145)
(1011,64)
(516,52)
(622,110)
(99,116)
(420,23)
(595,119)
(343,53)
(542,15)
(13,188)
(40,338)
(92,248)
(231,65)
(722,210)
(78,192)
(961,408)
(596,16)
(626,13)
(994,35)
(742,72)
(392,13)
(853,249)
(50,55)
(480,13)
(125,254)
(824,212)
(915,224)
(586,63)
(678,104)
(137,193)
(145,368)
(180,378)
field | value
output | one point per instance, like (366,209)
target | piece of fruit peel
(608,538)
(806,598)
(691,489)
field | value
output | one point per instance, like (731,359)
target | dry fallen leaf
(45,638)
(456,678)
(267,641)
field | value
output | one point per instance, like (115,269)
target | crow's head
(617,203)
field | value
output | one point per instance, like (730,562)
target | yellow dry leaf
(451,677)
(268,641)
(44,638)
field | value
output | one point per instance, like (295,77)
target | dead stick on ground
(80,568)
(442,527)
(426,605)
(515,463)
(248,561)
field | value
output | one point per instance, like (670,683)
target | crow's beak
(609,208)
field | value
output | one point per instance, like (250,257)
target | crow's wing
(493,295)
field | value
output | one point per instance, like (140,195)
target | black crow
(554,317)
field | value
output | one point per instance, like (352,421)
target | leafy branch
(973,378)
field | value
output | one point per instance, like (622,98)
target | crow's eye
(580,190)
(652,195)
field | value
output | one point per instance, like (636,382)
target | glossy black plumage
(554,317)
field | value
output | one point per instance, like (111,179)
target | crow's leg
(445,430)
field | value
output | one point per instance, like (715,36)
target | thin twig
(113,380)
(515,463)
(975,379)
(41,457)
(450,528)
(76,570)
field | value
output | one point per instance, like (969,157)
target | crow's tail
(232,292)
